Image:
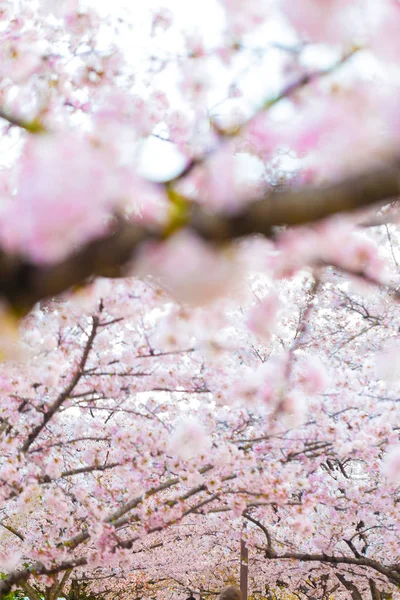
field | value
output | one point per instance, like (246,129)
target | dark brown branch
(30,591)
(301,206)
(352,548)
(264,530)
(23,283)
(350,586)
(64,395)
(59,588)
(90,469)
(391,573)
(375,593)
(46,447)
(12,530)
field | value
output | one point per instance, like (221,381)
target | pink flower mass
(199,311)
(64,194)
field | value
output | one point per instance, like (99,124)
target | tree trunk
(74,590)
(58,586)
(30,591)
(349,585)
(375,593)
(244,569)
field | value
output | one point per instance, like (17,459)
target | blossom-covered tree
(130,436)
(173,383)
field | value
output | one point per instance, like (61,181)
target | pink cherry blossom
(68,176)
(263,317)
(189,439)
(329,21)
(392,464)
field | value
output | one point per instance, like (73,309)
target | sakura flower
(362,255)
(303,525)
(262,318)
(64,193)
(243,17)
(54,467)
(9,561)
(328,21)
(59,8)
(162,19)
(237,505)
(388,361)
(20,58)
(193,272)
(192,478)
(220,184)
(294,408)
(383,31)
(391,465)
(314,376)
(188,440)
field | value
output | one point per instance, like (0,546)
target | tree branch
(118,518)
(23,283)
(301,206)
(349,585)
(67,391)
(60,585)
(270,552)
(392,574)
(12,530)
(30,591)
(33,126)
